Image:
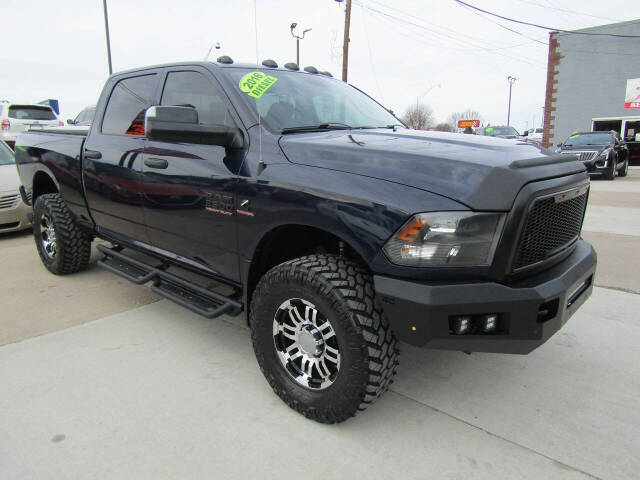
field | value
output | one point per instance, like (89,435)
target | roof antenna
(261,164)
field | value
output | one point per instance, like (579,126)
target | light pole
(106,29)
(511,79)
(437,85)
(217,45)
(298,38)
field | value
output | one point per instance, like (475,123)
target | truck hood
(9,179)
(484,173)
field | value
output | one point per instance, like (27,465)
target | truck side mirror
(180,124)
(70,121)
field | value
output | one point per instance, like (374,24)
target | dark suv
(603,153)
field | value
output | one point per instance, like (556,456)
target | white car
(534,135)
(14,213)
(16,118)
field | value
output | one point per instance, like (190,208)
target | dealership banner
(468,123)
(632,98)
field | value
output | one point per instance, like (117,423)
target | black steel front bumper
(529,311)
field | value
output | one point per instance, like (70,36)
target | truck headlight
(446,239)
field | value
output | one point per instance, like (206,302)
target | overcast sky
(399,48)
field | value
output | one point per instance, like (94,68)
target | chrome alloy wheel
(306,344)
(48,236)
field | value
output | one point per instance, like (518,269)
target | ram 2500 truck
(297,199)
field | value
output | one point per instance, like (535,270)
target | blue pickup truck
(299,201)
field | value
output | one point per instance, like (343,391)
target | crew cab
(298,200)
(603,153)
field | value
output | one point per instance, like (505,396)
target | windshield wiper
(321,126)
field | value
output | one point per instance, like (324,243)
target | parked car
(603,153)
(14,212)
(499,131)
(16,118)
(84,118)
(337,230)
(533,135)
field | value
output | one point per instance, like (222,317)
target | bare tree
(418,117)
(469,114)
(443,127)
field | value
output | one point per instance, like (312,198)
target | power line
(455,32)
(507,28)
(452,38)
(565,10)
(460,2)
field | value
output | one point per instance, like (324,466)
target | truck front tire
(63,246)
(321,340)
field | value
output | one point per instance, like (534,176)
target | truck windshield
(294,100)
(31,112)
(578,139)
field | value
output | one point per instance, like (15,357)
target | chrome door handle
(92,154)
(156,163)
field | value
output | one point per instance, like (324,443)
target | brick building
(593,83)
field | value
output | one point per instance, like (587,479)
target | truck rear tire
(63,246)
(321,340)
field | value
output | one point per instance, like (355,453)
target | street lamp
(298,38)
(511,79)
(106,30)
(218,47)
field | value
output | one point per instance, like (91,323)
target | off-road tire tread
(73,243)
(354,286)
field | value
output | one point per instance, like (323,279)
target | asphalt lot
(102,380)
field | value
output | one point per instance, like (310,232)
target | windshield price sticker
(256,83)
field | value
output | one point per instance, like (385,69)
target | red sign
(632,105)
(468,123)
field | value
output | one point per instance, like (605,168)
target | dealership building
(593,83)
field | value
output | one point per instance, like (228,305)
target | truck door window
(192,89)
(128,102)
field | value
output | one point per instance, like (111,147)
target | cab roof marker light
(269,63)
(311,69)
(291,66)
(226,59)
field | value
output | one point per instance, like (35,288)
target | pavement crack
(495,435)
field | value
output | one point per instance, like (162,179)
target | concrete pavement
(157,392)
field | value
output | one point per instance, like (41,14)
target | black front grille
(552,225)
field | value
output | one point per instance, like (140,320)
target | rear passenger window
(192,89)
(128,102)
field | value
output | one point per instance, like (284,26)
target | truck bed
(54,153)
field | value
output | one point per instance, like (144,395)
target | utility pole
(106,28)
(511,80)
(345,45)
(298,38)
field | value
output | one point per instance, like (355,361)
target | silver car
(16,118)
(13,211)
